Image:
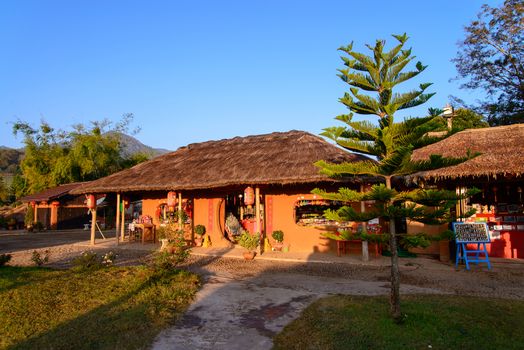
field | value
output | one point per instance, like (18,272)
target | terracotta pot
(278,246)
(198,242)
(249,255)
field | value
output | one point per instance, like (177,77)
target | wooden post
(54,215)
(93,225)
(36,213)
(180,223)
(122,219)
(365,251)
(117,224)
(257,217)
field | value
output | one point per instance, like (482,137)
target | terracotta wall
(280,216)
(417,227)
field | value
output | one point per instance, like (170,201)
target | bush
(278,236)
(38,226)
(4,259)
(87,261)
(200,230)
(249,241)
(176,252)
(29,216)
(37,258)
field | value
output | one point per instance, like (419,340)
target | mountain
(131,145)
(10,158)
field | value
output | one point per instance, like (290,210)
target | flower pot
(198,242)
(277,247)
(249,255)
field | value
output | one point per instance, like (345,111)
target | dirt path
(235,312)
(244,304)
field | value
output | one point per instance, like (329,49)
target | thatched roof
(501,153)
(52,193)
(278,158)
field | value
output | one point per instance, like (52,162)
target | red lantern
(91,201)
(249,196)
(171,199)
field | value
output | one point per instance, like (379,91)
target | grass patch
(117,307)
(437,322)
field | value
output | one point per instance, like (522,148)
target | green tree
(491,58)
(4,192)
(54,157)
(372,80)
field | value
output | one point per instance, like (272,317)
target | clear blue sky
(192,71)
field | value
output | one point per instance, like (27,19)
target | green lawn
(122,308)
(432,322)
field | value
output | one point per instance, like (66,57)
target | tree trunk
(394,296)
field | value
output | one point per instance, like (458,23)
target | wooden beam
(180,223)
(257,218)
(117,223)
(122,219)
(365,251)
(93,226)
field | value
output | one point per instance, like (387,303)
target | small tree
(29,216)
(392,143)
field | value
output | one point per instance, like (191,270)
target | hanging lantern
(91,201)
(171,199)
(249,196)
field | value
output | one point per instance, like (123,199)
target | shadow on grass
(131,321)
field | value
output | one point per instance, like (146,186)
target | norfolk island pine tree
(372,80)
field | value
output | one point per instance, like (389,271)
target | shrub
(39,226)
(200,230)
(4,259)
(38,259)
(87,261)
(109,258)
(249,241)
(176,252)
(169,231)
(29,216)
(278,236)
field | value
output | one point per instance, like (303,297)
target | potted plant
(249,242)
(278,236)
(200,231)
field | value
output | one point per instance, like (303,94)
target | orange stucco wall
(281,216)
(417,227)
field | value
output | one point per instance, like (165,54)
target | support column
(35,213)
(122,219)
(257,218)
(54,215)
(180,223)
(117,214)
(93,225)
(365,250)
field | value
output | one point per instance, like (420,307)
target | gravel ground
(505,280)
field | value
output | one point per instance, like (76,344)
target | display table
(148,232)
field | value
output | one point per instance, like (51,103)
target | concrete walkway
(245,313)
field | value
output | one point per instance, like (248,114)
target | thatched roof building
(53,193)
(501,153)
(279,158)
